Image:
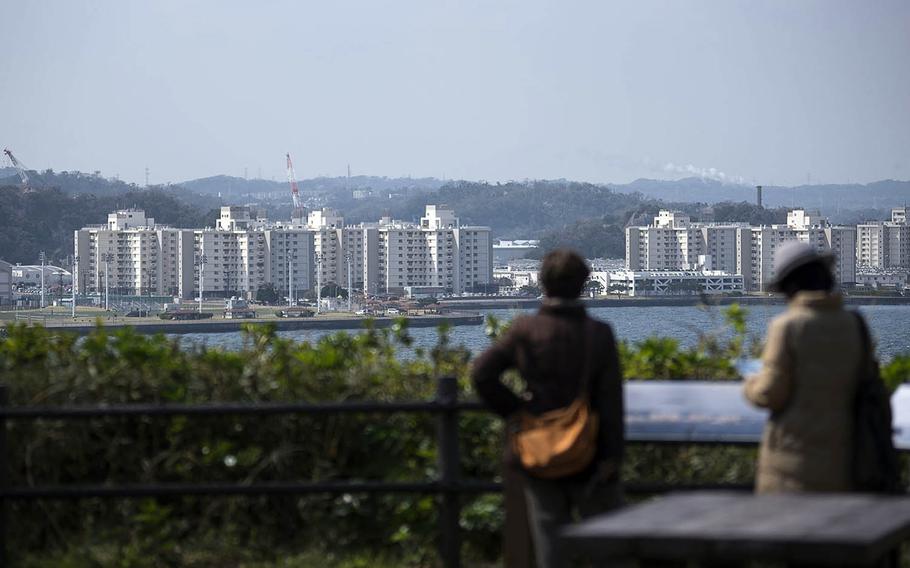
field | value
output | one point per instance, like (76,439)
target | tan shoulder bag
(563,441)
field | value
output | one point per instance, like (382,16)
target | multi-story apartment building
(674,243)
(244,252)
(289,260)
(130,254)
(327,227)
(884,245)
(438,252)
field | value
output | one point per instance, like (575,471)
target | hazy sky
(770,91)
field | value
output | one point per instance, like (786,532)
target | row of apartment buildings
(674,243)
(244,251)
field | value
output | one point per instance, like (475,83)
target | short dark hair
(815,275)
(563,273)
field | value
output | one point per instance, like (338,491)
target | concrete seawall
(228,326)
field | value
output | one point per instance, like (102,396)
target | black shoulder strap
(865,357)
(588,329)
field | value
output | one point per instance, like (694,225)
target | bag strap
(865,360)
(588,330)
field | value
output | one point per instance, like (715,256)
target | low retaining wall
(228,326)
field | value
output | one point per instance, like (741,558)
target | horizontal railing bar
(227,489)
(299,488)
(233,409)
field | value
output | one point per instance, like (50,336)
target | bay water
(890,326)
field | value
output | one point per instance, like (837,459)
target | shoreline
(232,326)
(677,301)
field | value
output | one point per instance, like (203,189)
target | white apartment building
(884,245)
(131,253)
(438,252)
(327,227)
(289,260)
(674,243)
(233,263)
(245,251)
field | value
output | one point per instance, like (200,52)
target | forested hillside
(513,210)
(45,220)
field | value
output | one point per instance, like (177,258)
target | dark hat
(792,255)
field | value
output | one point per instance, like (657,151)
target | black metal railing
(448,486)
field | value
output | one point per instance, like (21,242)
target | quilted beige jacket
(809,371)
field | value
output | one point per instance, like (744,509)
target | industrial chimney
(758,195)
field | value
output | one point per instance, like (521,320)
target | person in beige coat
(810,368)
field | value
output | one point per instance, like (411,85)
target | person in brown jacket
(810,369)
(551,350)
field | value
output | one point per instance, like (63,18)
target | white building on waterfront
(30,275)
(673,282)
(875,278)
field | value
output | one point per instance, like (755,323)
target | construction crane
(295,192)
(20,169)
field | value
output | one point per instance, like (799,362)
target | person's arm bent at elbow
(486,374)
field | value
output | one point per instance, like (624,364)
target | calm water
(890,325)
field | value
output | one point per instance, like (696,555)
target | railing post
(449,463)
(4,474)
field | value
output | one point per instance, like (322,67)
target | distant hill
(830,199)
(235,186)
(45,220)
(71,183)
(513,209)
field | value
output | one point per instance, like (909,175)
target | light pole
(200,262)
(107,258)
(73,282)
(319,259)
(349,257)
(287,253)
(42,257)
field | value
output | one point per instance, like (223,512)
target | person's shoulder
(788,322)
(601,327)
(521,323)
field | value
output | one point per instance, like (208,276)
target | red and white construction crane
(20,169)
(295,192)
